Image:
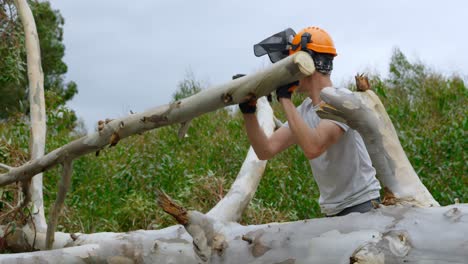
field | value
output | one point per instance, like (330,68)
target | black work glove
(286,91)
(247,107)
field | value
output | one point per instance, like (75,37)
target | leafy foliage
(13,72)
(430,116)
(187,87)
(12,62)
(115,191)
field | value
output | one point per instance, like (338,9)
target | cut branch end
(172,208)
(362,82)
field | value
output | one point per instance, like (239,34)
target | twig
(6,167)
(64,185)
(25,188)
(31,220)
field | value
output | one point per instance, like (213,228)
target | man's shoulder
(343,89)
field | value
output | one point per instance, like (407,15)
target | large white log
(37,110)
(394,234)
(254,85)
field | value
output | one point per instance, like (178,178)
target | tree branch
(64,186)
(6,167)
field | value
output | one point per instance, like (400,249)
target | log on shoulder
(255,85)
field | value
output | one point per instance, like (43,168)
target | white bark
(235,91)
(365,112)
(37,110)
(393,234)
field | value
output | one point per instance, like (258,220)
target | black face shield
(276,46)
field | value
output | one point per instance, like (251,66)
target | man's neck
(314,93)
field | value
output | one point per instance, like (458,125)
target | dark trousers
(359,208)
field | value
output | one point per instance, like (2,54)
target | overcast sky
(130,55)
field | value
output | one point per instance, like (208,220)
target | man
(339,160)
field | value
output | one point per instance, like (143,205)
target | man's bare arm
(313,141)
(265,147)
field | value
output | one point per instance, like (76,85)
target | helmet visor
(276,46)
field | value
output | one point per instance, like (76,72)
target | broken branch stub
(172,208)
(203,229)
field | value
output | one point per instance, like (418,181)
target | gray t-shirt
(344,172)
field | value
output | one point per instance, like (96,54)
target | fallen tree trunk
(393,234)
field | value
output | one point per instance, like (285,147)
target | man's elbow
(312,153)
(263,155)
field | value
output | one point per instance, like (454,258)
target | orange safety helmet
(315,39)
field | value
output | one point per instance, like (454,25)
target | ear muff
(305,39)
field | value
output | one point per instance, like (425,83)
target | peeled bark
(33,188)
